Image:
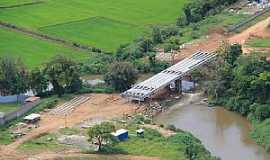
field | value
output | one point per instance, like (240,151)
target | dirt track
(46,156)
(108,106)
(213,41)
(102,106)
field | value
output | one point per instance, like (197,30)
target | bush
(97,89)
(171,127)
(261,133)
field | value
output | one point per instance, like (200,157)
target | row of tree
(241,83)
(61,72)
(196,10)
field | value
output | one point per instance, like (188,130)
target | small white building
(32,118)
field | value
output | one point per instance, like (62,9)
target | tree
(63,73)
(121,76)
(156,35)
(233,53)
(100,133)
(14,78)
(38,81)
(182,21)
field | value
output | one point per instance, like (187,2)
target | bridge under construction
(172,75)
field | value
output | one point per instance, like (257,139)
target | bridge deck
(148,87)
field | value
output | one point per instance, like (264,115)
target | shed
(140,132)
(32,118)
(31,99)
(121,134)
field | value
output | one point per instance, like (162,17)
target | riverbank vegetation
(182,146)
(241,83)
(261,133)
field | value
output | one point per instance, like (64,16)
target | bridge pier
(178,86)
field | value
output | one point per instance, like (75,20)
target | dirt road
(107,106)
(258,30)
(46,156)
(102,106)
(213,41)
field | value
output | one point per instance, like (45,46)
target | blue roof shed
(121,134)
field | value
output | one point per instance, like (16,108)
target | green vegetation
(5,137)
(63,73)
(261,133)
(212,23)
(106,24)
(69,131)
(101,133)
(34,52)
(9,107)
(45,142)
(197,10)
(251,23)
(121,76)
(259,43)
(92,32)
(8,3)
(182,146)
(241,84)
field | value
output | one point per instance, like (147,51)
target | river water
(225,134)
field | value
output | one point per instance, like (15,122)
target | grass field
(80,20)
(7,3)
(259,43)
(33,52)
(9,107)
(94,30)
(166,148)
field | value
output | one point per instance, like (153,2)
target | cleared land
(121,20)
(34,52)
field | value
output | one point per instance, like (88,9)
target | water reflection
(224,133)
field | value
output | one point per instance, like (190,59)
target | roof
(148,87)
(140,130)
(32,116)
(119,132)
(31,99)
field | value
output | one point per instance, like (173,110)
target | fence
(20,112)
(239,25)
(13,98)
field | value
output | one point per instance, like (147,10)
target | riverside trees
(61,72)
(121,76)
(241,83)
(14,78)
(196,10)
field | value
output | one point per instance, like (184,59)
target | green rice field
(11,3)
(33,52)
(102,23)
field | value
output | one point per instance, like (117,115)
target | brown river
(225,134)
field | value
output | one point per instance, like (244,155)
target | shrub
(171,127)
